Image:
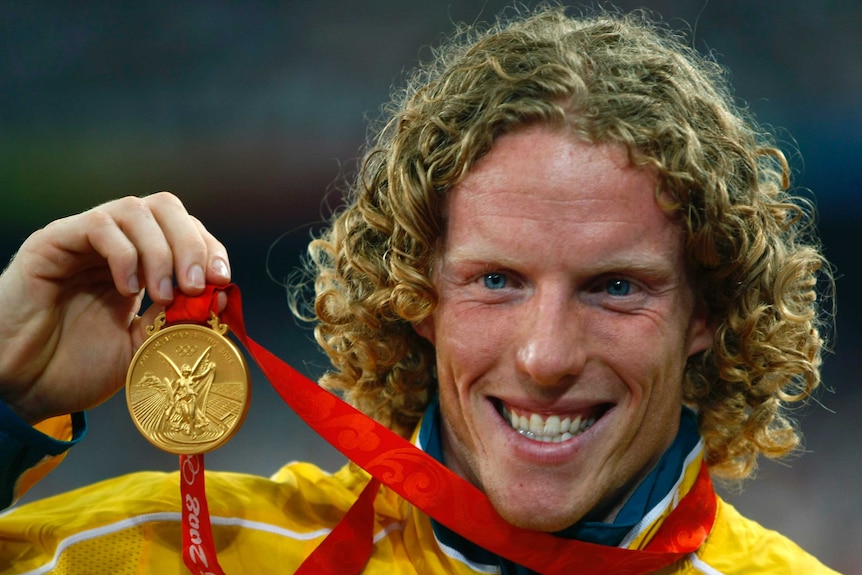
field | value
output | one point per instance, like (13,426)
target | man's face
(562,330)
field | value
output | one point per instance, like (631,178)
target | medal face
(187,389)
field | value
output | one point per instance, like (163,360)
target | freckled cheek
(470,345)
(644,358)
(653,379)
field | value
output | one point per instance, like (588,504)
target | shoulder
(738,545)
(139,517)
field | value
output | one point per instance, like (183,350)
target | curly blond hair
(608,78)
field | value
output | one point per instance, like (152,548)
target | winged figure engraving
(187,394)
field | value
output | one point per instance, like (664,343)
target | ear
(426,329)
(701,330)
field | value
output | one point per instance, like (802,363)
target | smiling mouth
(552,428)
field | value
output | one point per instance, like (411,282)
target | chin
(538,519)
(535,523)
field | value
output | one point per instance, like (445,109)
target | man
(569,270)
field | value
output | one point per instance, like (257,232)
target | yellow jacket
(131,525)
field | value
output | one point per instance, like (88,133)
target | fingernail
(134,285)
(166,289)
(196,276)
(220,268)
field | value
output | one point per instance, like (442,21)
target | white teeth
(537,426)
(553,429)
(552,426)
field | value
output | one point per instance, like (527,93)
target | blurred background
(254,113)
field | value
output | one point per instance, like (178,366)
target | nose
(552,347)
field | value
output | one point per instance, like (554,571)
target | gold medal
(187,388)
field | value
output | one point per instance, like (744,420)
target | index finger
(198,257)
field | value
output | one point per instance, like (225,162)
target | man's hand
(70,298)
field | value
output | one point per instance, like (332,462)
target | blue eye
(494,281)
(618,287)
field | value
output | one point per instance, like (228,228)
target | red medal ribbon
(433,488)
(199,553)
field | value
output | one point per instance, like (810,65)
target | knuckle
(160,253)
(124,209)
(164,199)
(99,223)
(98,217)
(132,203)
(125,255)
